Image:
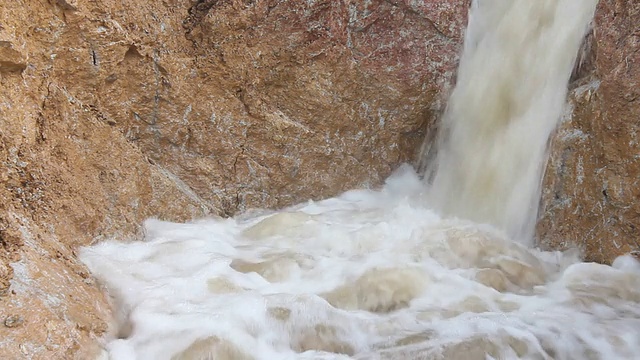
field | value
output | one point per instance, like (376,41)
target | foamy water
(378,274)
(366,275)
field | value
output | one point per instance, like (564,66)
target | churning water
(379,274)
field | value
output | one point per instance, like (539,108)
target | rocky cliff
(112,112)
(591,192)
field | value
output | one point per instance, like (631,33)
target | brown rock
(11,59)
(271,102)
(112,112)
(592,183)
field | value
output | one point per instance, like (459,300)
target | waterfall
(511,87)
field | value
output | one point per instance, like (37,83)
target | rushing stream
(396,273)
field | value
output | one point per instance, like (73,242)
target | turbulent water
(379,274)
(367,275)
(512,84)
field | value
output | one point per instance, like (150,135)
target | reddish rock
(288,100)
(592,184)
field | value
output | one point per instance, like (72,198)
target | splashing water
(512,85)
(366,275)
(378,274)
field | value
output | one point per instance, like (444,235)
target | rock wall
(112,112)
(591,192)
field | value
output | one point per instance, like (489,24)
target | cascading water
(512,85)
(378,274)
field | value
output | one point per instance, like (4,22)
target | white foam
(402,281)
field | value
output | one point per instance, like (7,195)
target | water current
(511,89)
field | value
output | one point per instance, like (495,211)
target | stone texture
(112,112)
(289,100)
(592,184)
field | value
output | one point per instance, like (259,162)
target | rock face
(112,112)
(592,184)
